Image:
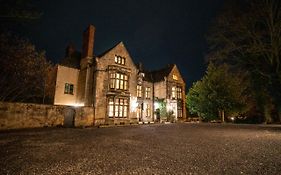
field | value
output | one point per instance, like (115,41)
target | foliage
(247,36)
(24,71)
(165,114)
(218,91)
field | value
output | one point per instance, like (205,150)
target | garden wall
(27,115)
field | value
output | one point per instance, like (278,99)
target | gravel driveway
(144,149)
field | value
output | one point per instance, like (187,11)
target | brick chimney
(88,42)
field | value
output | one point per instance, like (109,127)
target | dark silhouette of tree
(247,36)
(24,72)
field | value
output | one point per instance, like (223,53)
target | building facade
(119,90)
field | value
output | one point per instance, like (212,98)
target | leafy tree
(247,36)
(24,72)
(219,92)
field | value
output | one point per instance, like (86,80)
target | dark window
(179,111)
(68,88)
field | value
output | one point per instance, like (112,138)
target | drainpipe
(153,97)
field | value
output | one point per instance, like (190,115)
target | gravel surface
(146,149)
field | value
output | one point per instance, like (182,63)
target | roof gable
(119,50)
(175,75)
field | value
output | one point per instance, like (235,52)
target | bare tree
(247,36)
(23,70)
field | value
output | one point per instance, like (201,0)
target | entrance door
(69,116)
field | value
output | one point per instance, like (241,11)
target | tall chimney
(88,42)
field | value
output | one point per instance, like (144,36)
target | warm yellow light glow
(156,105)
(76,104)
(134,104)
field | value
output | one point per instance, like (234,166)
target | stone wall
(27,115)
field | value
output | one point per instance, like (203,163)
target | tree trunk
(222,116)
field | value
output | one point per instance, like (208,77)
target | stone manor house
(117,88)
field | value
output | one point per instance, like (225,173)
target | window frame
(118,107)
(118,81)
(147,92)
(69,88)
(139,91)
(119,60)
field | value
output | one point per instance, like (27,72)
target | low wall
(25,115)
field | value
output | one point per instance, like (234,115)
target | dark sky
(156,32)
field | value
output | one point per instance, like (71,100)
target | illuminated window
(176,92)
(148,110)
(68,88)
(119,60)
(118,81)
(139,91)
(179,93)
(110,107)
(147,92)
(175,77)
(118,108)
(174,95)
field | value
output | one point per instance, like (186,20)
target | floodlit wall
(70,76)
(26,115)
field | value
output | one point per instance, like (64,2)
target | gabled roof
(158,75)
(108,50)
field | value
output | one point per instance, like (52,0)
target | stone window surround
(118,107)
(69,88)
(147,92)
(119,60)
(118,80)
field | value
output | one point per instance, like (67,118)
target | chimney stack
(88,42)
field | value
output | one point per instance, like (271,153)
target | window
(179,110)
(139,91)
(118,108)
(179,93)
(148,110)
(176,92)
(175,77)
(118,81)
(68,88)
(147,92)
(173,92)
(119,60)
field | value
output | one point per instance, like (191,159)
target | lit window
(147,92)
(179,93)
(148,110)
(110,107)
(175,77)
(118,81)
(119,60)
(173,92)
(118,108)
(139,94)
(68,88)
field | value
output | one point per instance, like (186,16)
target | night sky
(156,32)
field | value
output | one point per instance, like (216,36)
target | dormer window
(119,60)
